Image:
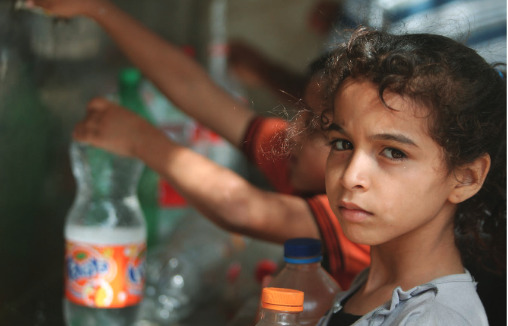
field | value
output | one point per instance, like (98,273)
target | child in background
(417,171)
(299,209)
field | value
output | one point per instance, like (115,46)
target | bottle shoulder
(100,235)
(278,318)
(305,278)
(105,212)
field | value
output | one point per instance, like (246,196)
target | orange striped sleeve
(262,144)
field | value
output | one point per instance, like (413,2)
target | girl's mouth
(353,213)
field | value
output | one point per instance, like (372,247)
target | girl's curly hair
(466,98)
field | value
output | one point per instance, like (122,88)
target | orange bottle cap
(282,299)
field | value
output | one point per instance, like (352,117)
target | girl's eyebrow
(336,127)
(385,136)
(394,137)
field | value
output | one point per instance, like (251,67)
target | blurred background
(50,68)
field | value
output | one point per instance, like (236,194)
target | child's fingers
(94,112)
(80,132)
(87,129)
(98,104)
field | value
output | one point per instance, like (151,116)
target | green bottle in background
(129,95)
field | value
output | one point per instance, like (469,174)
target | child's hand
(66,8)
(111,127)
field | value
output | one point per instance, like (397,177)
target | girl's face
(386,178)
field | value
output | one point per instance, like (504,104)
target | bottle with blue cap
(303,271)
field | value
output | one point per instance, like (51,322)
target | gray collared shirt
(449,300)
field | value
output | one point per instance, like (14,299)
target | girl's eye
(394,154)
(341,145)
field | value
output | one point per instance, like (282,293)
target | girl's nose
(355,175)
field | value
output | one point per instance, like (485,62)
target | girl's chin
(358,236)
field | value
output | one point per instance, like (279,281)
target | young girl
(416,170)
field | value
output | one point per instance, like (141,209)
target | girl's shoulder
(449,300)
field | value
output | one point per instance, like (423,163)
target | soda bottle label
(109,276)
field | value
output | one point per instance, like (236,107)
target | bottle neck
(303,260)
(100,174)
(275,317)
(131,99)
(304,263)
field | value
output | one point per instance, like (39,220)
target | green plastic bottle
(129,95)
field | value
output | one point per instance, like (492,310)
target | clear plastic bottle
(188,272)
(280,307)
(303,271)
(105,237)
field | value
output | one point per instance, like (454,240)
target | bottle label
(104,276)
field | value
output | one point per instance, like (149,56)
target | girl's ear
(470,178)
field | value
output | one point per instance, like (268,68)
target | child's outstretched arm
(220,194)
(179,77)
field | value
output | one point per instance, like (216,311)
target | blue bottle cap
(302,251)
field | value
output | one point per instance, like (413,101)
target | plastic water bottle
(105,237)
(280,307)
(190,270)
(303,272)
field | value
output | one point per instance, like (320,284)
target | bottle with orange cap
(280,307)
(303,271)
